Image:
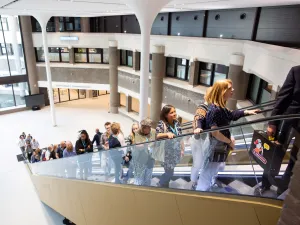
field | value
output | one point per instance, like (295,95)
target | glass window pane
(61,27)
(129,58)
(265,96)
(55,95)
(123,57)
(73,94)
(65,56)
(6,96)
(254,88)
(40,55)
(54,54)
(219,76)
(94,58)
(82,93)
(69,27)
(4,69)
(77,24)
(205,77)
(181,72)
(80,55)
(20,90)
(171,67)
(105,55)
(64,94)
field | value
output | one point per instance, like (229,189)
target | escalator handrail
(261,120)
(190,126)
(244,108)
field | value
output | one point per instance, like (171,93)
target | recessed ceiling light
(221,35)
(178,34)
(125,31)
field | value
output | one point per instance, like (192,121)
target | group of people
(142,149)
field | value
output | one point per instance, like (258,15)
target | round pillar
(158,73)
(113,76)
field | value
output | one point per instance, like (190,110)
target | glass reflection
(20,90)
(6,96)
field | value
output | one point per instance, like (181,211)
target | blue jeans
(116,157)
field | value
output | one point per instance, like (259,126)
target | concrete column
(291,209)
(71,55)
(29,53)
(158,73)
(113,77)
(128,103)
(136,61)
(85,24)
(194,72)
(239,78)
(56,22)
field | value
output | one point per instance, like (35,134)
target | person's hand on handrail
(251,112)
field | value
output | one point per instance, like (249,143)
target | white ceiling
(119,7)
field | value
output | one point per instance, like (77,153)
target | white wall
(269,62)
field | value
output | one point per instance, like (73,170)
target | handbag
(158,152)
(219,150)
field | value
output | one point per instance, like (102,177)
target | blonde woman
(134,128)
(220,141)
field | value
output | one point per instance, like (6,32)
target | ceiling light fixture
(221,35)
(178,34)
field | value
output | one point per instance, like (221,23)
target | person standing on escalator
(221,141)
(84,146)
(287,102)
(168,127)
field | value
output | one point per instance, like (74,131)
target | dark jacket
(113,142)
(88,147)
(97,138)
(288,99)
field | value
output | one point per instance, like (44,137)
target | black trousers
(284,137)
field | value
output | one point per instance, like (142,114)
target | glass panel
(254,88)
(69,27)
(65,55)
(20,90)
(64,94)
(123,57)
(77,24)
(6,96)
(74,94)
(40,55)
(82,93)
(181,72)
(94,55)
(4,69)
(55,95)
(129,58)
(205,77)
(171,67)
(80,55)
(54,55)
(105,55)
(61,27)
(150,63)
(219,76)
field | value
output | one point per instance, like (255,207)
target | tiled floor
(19,203)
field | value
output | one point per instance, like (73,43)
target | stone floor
(19,202)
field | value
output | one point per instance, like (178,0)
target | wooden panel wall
(95,203)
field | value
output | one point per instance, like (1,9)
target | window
(13,94)
(67,24)
(126,58)
(55,54)
(94,55)
(177,68)
(64,94)
(105,55)
(4,24)
(209,73)
(65,55)
(36,27)
(6,50)
(150,64)
(259,91)
(81,55)
(95,24)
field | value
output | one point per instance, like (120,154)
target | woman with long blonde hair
(221,142)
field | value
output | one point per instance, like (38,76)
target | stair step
(241,187)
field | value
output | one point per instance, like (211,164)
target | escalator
(97,183)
